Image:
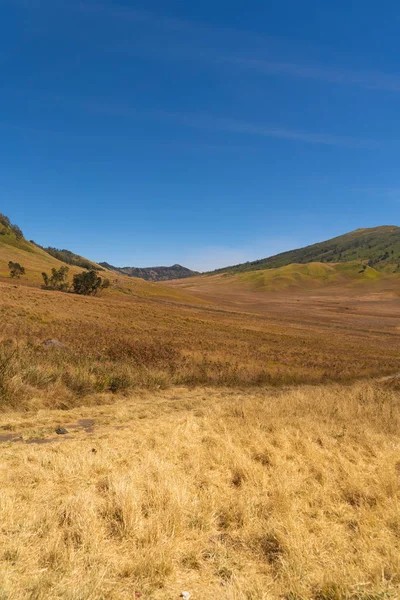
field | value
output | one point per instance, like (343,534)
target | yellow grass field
(226,494)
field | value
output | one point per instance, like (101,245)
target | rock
(185,595)
(53,343)
(61,431)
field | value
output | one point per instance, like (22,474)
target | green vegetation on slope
(379,247)
(298,276)
(72,259)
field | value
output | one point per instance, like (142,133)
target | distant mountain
(377,247)
(153,273)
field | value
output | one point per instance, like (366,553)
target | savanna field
(221,440)
(231,454)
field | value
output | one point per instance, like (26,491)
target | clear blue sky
(207,133)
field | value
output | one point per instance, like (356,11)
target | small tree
(57,280)
(88,283)
(16,270)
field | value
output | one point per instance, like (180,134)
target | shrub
(57,280)
(16,270)
(88,283)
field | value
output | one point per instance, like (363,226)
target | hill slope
(70,258)
(290,278)
(153,273)
(311,275)
(14,247)
(377,246)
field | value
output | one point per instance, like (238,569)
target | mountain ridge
(153,273)
(379,247)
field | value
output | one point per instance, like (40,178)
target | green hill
(311,275)
(378,247)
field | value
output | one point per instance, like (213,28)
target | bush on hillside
(57,280)
(88,283)
(16,270)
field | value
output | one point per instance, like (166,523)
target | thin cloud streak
(368,80)
(286,134)
(241,127)
(372,80)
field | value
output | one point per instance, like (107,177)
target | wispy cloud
(257,46)
(369,80)
(209,122)
(201,41)
(242,127)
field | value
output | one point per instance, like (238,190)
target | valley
(232,434)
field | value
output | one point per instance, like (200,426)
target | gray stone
(61,431)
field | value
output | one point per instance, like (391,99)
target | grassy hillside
(293,278)
(301,277)
(153,273)
(72,259)
(36,260)
(29,255)
(379,247)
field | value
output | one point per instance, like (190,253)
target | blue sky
(205,133)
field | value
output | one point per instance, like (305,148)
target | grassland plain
(119,342)
(238,495)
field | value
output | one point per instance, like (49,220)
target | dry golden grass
(257,495)
(120,342)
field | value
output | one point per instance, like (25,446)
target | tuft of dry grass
(239,495)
